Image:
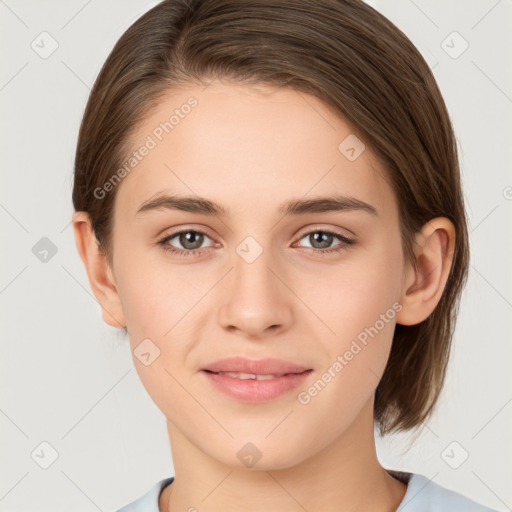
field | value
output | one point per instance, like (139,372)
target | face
(314,287)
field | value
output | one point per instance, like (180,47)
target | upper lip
(257,367)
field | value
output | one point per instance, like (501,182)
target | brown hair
(356,61)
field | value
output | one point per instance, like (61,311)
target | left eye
(192,242)
(324,240)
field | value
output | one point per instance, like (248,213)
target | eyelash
(197,252)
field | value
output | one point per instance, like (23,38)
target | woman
(268,202)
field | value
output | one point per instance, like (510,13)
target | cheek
(358,301)
(354,294)
(362,316)
(154,296)
(159,303)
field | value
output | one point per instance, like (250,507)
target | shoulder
(424,495)
(148,502)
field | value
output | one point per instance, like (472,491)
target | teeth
(248,376)
(266,377)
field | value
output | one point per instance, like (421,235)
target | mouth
(253,376)
(243,366)
(255,381)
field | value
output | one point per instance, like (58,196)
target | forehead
(248,146)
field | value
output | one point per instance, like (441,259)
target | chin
(260,455)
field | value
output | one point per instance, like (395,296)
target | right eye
(190,239)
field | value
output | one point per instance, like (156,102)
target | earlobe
(101,277)
(425,279)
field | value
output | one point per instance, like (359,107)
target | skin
(249,149)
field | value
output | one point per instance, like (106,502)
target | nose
(256,301)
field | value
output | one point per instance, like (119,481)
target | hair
(364,69)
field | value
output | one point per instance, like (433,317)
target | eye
(190,239)
(321,240)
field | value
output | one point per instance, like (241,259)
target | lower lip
(256,391)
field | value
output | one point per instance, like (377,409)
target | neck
(344,476)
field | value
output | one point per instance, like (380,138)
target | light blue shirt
(422,495)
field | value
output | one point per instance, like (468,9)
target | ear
(425,279)
(101,276)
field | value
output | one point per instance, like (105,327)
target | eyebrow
(196,204)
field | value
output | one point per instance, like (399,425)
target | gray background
(67,378)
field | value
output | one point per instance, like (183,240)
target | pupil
(324,243)
(191,240)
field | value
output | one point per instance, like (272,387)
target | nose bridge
(255,298)
(252,268)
